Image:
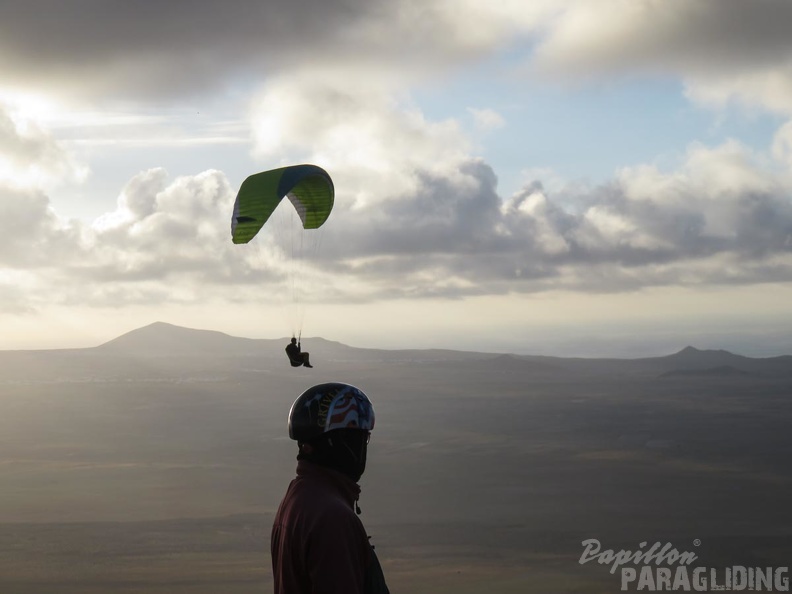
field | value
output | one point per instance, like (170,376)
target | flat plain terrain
(130,472)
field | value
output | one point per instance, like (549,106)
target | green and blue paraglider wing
(308,187)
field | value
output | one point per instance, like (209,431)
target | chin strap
(357,459)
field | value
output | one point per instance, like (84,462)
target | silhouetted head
(293,340)
(332,425)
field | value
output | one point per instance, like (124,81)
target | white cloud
(487,119)
(29,155)
(168,241)
(782,144)
(770,88)
(374,144)
(163,230)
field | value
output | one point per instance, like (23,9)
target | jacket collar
(348,488)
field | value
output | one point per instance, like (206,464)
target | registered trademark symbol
(697,543)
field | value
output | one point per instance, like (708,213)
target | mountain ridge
(161,344)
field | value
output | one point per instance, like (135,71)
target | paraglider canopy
(308,187)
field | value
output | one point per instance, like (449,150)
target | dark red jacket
(319,545)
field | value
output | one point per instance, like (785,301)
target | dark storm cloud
(134,50)
(723,50)
(704,36)
(163,48)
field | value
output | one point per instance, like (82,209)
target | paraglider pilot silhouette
(297,357)
(318,542)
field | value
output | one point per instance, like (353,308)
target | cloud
(30,231)
(724,50)
(487,119)
(769,87)
(162,230)
(29,155)
(782,144)
(417,215)
(417,212)
(371,137)
(720,219)
(451,235)
(147,50)
(115,49)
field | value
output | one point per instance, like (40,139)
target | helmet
(326,407)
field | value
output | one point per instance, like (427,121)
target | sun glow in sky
(591,177)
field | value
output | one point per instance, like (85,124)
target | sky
(563,177)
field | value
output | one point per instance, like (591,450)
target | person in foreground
(297,358)
(319,544)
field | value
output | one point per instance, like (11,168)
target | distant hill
(691,357)
(720,362)
(165,349)
(161,339)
